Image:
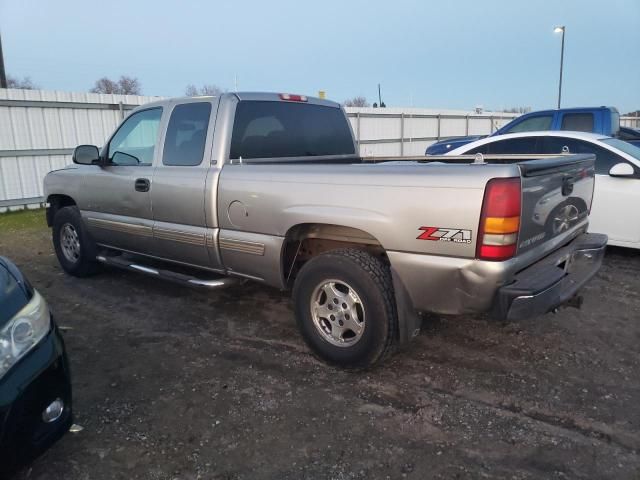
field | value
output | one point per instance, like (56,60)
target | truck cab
(603,120)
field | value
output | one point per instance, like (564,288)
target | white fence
(633,122)
(409,131)
(39,129)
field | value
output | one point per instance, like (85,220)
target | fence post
(438,135)
(358,130)
(491,120)
(466,125)
(402,134)
(121,108)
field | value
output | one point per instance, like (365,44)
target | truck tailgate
(556,198)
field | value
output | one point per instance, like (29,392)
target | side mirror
(86,155)
(622,169)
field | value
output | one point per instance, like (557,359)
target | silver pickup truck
(269,187)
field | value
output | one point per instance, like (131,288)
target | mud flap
(409,322)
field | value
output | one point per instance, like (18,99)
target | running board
(188,280)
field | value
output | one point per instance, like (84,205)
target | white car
(617,188)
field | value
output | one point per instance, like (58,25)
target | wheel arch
(307,240)
(57,201)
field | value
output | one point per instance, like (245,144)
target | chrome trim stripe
(179,236)
(123,227)
(242,246)
(210,239)
(144,269)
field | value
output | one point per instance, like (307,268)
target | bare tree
(129,86)
(356,102)
(22,83)
(191,91)
(105,85)
(124,86)
(207,89)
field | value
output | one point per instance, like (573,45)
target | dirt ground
(171,383)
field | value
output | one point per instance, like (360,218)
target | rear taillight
(500,219)
(289,97)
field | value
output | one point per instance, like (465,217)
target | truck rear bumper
(552,281)
(455,286)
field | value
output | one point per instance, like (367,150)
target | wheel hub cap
(338,313)
(565,218)
(70,243)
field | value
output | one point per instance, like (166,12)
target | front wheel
(74,247)
(345,307)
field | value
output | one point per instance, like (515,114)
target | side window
(481,149)
(266,129)
(605,159)
(514,145)
(186,134)
(578,122)
(135,140)
(543,122)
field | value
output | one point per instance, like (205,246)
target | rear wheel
(74,247)
(345,307)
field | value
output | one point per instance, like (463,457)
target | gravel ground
(171,383)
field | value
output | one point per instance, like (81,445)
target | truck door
(180,228)
(118,210)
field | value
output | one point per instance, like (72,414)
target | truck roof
(573,109)
(255,96)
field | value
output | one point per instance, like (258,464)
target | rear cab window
(280,129)
(577,122)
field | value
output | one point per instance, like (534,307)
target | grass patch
(16,221)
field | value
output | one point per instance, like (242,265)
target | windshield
(623,146)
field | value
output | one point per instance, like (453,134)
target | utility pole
(3,75)
(382,105)
(560,29)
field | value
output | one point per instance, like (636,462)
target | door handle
(143,185)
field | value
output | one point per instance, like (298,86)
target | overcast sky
(440,53)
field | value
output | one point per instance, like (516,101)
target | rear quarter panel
(390,203)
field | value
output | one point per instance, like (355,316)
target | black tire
(85,264)
(370,279)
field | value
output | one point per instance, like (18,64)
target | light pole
(3,76)
(560,29)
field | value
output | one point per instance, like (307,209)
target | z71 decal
(440,234)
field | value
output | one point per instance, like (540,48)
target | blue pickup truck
(603,120)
